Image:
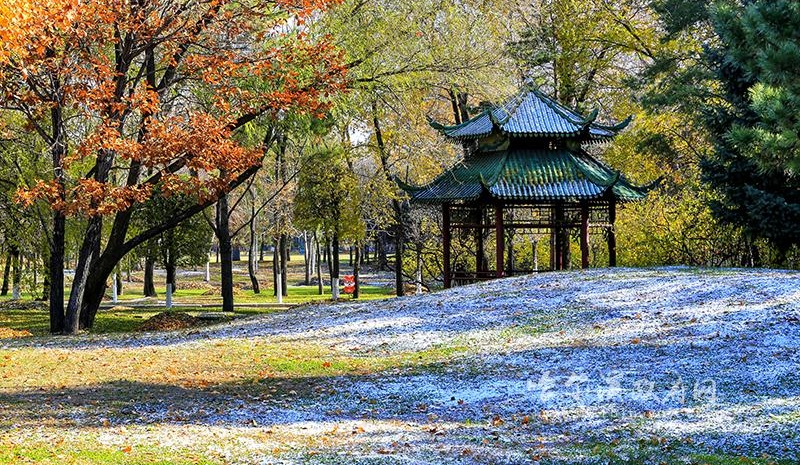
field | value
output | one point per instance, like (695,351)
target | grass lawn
(193,296)
(454,377)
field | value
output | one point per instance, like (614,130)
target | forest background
(136,134)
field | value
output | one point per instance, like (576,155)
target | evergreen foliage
(754,124)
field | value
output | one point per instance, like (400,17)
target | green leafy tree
(185,245)
(581,50)
(408,59)
(328,200)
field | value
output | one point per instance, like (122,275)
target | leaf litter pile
(170,321)
(668,365)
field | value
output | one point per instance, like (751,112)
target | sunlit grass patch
(64,452)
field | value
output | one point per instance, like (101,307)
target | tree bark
(399,250)
(118,274)
(357,272)
(307,256)
(149,270)
(253,254)
(55,278)
(6,274)
(46,291)
(83,270)
(284,264)
(276,265)
(318,263)
(334,267)
(16,272)
(398,207)
(225,252)
(55,275)
(380,251)
(170,269)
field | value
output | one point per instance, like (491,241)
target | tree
(581,50)
(185,245)
(739,92)
(406,59)
(756,159)
(145,96)
(327,200)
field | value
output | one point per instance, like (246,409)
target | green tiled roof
(528,175)
(532,114)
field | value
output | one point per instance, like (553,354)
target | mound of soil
(8,333)
(170,321)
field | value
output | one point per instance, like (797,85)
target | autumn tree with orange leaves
(133,97)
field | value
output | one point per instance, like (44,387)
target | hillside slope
(605,366)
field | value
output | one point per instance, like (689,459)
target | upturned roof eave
(602,180)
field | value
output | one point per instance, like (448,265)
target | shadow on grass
(748,382)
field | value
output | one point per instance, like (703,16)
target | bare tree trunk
(149,270)
(334,266)
(225,252)
(399,250)
(307,256)
(284,264)
(380,251)
(419,271)
(318,263)
(6,274)
(55,275)
(357,272)
(170,269)
(252,255)
(16,271)
(276,265)
(86,260)
(45,296)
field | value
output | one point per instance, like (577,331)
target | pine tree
(754,125)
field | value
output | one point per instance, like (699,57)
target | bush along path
(669,365)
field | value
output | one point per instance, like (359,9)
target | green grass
(68,454)
(654,451)
(125,317)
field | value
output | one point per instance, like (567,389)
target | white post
(534,245)
(279,286)
(335,289)
(208,271)
(169,296)
(15,292)
(114,290)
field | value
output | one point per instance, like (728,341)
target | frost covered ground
(606,366)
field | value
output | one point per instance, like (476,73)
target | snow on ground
(544,367)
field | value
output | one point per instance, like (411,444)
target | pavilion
(526,166)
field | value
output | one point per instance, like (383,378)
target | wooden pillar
(448,276)
(559,233)
(584,235)
(480,252)
(553,248)
(612,236)
(500,239)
